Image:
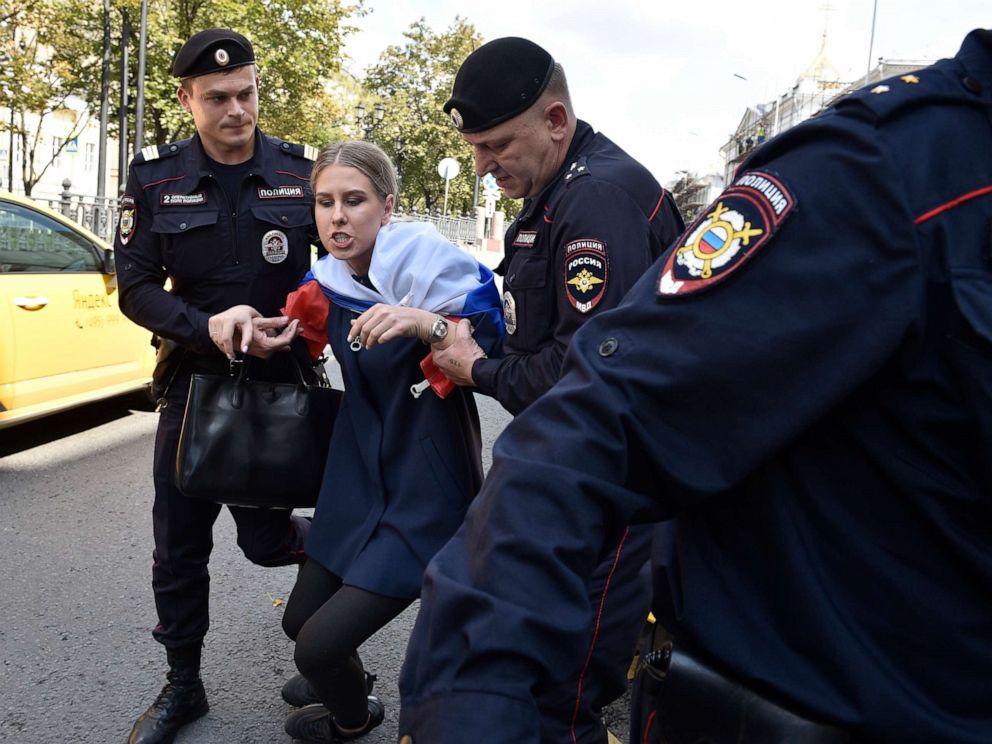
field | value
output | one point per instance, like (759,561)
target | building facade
(817,87)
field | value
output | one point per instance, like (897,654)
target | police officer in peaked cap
(592,221)
(803,383)
(227,216)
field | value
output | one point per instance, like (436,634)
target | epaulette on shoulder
(891,97)
(307,152)
(157,152)
(577,169)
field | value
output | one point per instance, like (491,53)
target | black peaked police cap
(212,50)
(497,81)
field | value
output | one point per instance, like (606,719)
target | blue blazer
(400,470)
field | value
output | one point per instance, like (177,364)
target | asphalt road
(76,609)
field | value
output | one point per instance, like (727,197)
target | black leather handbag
(254,443)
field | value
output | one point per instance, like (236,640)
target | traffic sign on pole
(448,168)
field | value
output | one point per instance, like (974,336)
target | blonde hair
(365,157)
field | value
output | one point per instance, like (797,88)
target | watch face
(440,329)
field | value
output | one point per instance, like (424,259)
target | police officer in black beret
(803,382)
(227,217)
(592,222)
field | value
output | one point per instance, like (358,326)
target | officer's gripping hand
(382,323)
(456,357)
(232,328)
(270,335)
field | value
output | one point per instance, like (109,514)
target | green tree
(38,74)
(297,43)
(414,80)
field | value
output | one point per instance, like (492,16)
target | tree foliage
(413,80)
(38,74)
(297,44)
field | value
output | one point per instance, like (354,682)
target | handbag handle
(242,379)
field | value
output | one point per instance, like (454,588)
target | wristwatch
(439,331)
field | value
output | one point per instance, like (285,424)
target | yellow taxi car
(63,339)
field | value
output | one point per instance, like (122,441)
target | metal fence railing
(457,229)
(99,215)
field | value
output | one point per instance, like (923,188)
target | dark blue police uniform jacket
(177,222)
(401,471)
(574,250)
(812,400)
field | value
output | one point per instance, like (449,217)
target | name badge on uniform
(128,220)
(275,246)
(525,238)
(183,200)
(281,192)
(509,312)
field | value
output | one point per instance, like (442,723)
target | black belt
(692,703)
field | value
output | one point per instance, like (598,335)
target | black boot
(182,700)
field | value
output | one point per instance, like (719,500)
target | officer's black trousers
(619,594)
(329,621)
(183,531)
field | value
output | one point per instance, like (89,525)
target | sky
(664,79)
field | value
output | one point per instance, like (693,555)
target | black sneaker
(313,723)
(310,723)
(298,692)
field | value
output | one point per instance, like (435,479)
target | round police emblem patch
(586,273)
(456,118)
(275,246)
(221,57)
(727,234)
(509,312)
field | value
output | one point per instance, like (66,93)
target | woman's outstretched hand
(382,323)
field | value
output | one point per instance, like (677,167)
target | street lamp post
(122,158)
(139,106)
(399,146)
(101,170)
(369,123)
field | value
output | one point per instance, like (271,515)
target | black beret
(497,81)
(212,50)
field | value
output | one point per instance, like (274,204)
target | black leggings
(329,620)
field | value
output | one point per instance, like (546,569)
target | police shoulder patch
(128,220)
(586,273)
(727,234)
